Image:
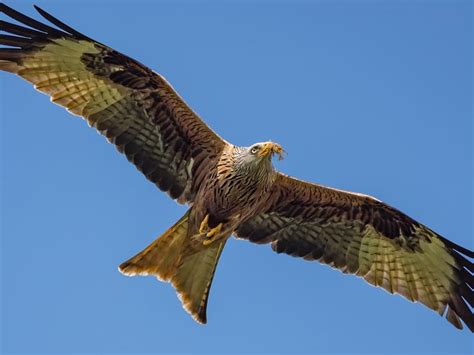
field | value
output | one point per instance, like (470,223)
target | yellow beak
(271,148)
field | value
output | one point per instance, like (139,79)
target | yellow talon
(214,231)
(203,227)
(212,234)
(207,241)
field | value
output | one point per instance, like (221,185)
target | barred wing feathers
(363,236)
(132,106)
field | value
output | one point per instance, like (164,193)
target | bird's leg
(209,234)
(212,234)
(204,227)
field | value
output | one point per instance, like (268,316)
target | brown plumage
(230,189)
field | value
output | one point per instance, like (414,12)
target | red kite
(230,190)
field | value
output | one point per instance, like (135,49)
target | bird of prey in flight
(230,190)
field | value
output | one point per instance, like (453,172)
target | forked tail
(174,257)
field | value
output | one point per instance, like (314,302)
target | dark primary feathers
(363,236)
(134,107)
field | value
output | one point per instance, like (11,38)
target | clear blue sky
(369,96)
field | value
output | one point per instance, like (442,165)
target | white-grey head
(258,155)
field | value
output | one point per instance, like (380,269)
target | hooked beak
(271,148)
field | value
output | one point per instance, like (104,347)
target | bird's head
(265,151)
(258,156)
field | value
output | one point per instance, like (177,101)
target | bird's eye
(254,150)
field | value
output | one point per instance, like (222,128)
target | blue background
(369,96)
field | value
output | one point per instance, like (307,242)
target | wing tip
(68,29)
(459,313)
(62,30)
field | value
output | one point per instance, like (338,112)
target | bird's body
(235,184)
(230,190)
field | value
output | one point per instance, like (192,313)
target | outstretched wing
(134,107)
(363,236)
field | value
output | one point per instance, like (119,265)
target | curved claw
(212,234)
(204,227)
(207,241)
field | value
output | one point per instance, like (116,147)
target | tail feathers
(161,257)
(194,277)
(189,266)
